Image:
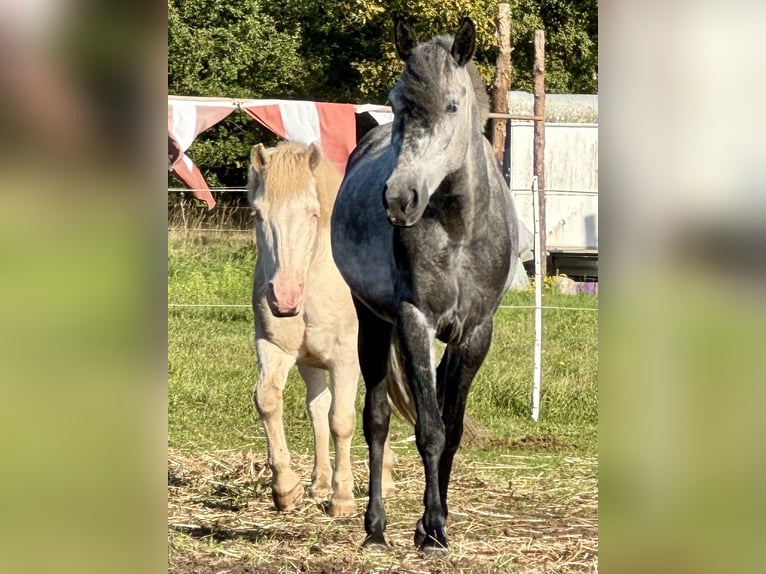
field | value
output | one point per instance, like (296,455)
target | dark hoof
(375,543)
(420,534)
(433,545)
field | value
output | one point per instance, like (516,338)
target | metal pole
(539,131)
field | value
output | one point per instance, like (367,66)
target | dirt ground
(533,511)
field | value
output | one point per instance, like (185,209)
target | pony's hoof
(341,508)
(377,542)
(320,492)
(289,501)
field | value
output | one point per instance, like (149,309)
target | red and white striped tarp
(332,125)
(186,120)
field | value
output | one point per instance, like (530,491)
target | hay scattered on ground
(520,513)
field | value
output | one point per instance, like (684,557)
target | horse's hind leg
(387,482)
(374,345)
(274,365)
(461,363)
(344,379)
(318,400)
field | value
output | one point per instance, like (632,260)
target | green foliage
(218,48)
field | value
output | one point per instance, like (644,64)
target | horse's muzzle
(286,298)
(403,204)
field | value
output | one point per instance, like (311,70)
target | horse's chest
(455,294)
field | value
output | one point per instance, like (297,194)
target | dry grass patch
(525,512)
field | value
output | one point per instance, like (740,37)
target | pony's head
(282,191)
(438,103)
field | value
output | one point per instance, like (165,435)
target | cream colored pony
(304,315)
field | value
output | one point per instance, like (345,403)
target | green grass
(212,367)
(522,500)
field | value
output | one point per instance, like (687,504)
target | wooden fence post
(502,78)
(539,134)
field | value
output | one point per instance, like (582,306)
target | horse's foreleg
(343,380)
(273,366)
(416,345)
(373,346)
(318,400)
(461,363)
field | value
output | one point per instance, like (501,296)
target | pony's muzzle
(403,204)
(286,297)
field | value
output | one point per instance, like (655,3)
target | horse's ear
(314,154)
(258,157)
(405,39)
(465,42)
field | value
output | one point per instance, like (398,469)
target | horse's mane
(287,169)
(425,68)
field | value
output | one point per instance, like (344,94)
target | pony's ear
(405,39)
(258,157)
(465,42)
(253,178)
(314,154)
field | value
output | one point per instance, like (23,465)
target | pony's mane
(286,173)
(424,70)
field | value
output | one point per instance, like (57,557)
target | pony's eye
(452,107)
(257,214)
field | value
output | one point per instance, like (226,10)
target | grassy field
(524,499)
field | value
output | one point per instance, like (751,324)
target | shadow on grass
(251,534)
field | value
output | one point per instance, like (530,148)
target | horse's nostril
(409,202)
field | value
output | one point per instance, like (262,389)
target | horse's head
(435,107)
(282,191)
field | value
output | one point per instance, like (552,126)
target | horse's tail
(400,397)
(399,394)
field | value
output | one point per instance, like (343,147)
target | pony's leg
(416,345)
(462,362)
(274,365)
(344,380)
(318,401)
(388,485)
(373,346)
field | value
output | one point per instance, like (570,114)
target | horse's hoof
(429,544)
(341,508)
(375,542)
(420,534)
(289,501)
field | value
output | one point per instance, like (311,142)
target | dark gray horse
(423,231)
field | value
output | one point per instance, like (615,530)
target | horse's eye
(452,107)
(257,214)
